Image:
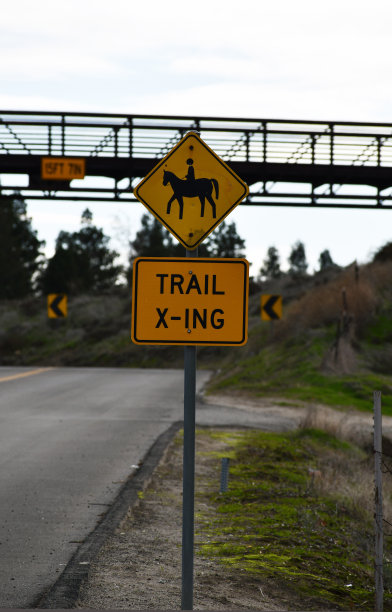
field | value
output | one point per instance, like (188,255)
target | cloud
(259,100)
(44,64)
(23,102)
(121,26)
(216,65)
(281,59)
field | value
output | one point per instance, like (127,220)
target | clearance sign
(190,301)
(62,168)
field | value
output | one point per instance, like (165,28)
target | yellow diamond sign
(191,190)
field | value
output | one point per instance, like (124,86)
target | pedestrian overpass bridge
(285,163)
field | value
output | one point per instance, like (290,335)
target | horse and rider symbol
(191,187)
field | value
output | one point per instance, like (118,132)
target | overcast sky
(277,60)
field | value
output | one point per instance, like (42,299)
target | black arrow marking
(55,305)
(268,307)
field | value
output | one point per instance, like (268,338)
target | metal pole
(224,474)
(188,499)
(378,518)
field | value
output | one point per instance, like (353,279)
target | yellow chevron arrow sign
(57,305)
(271,307)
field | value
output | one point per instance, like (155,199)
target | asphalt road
(68,438)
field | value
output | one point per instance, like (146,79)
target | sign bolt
(189,331)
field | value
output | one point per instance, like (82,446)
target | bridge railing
(150,137)
(272,141)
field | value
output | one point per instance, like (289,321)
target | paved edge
(65,591)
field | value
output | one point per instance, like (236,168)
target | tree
(271,264)
(20,253)
(384,253)
(225,242)
(326,261)
(82,261)
(154,240)
(297,260)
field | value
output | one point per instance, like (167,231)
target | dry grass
(328,420)
(352,480)
(325,303)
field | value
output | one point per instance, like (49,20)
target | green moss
(272,523)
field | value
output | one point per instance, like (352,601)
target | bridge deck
(290,163)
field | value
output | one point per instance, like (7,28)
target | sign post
(190,301)
(188,479)
(194,302)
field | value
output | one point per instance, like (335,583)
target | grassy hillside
(333,344)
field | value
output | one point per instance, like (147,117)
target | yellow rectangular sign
(63,168)
(57,305)
(190,301)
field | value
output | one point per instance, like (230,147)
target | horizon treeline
(84,262)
